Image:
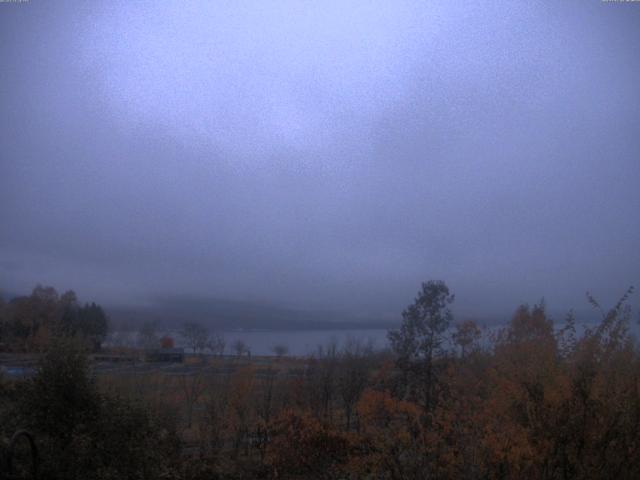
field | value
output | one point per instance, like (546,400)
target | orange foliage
(302,445)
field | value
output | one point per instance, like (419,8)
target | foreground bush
(82,433)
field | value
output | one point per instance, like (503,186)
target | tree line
(29,323)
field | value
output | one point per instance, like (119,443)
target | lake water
(298,342)
(303,342)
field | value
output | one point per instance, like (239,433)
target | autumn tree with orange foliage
(305,447)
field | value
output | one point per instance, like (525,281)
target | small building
(170,355)
(167,342)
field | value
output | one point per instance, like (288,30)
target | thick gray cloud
(327,156)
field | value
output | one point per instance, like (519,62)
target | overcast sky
(321,155)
